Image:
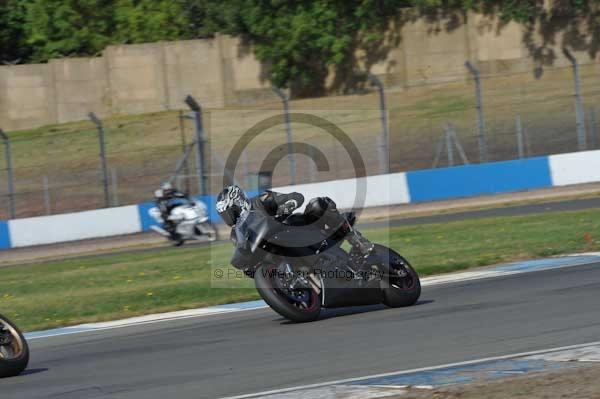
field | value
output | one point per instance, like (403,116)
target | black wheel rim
(11,344)
(398,266)
(307,301)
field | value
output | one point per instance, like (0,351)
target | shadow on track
(30,372)
(353,310)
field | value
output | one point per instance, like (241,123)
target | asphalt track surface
(515,210)
(254,351)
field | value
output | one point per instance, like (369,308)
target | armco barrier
(381,190)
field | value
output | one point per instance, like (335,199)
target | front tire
(14,351)
(399,291)
(266,286)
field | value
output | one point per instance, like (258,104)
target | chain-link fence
(60,168)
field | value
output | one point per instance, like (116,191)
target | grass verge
(68,292)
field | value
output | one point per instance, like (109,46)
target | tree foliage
(139,21)
(300,40)
(13,47)
(58,28)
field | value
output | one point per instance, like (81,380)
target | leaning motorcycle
(299,269)
(14,351)
(188,221)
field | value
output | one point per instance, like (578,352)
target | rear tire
(18,353)
(264,279)
(399,292)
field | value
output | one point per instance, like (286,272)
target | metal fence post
(183,149)
(46,195)
(438,151)
(288,131)
(384,157)
(480,116)
(115,186)
(200,143)
(449,147)
(103,162)
(579,113)
(520,142)
(459,147)
(593,128)
(9,172)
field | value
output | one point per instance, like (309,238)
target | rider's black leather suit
(277,204)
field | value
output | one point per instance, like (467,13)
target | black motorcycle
(300,268)
(14,351)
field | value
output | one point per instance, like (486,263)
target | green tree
(202,17)
(139,21)
(302,40)
(13,47)
(58,28)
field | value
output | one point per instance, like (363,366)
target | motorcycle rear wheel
(399,291)
(264,278)
(14,351)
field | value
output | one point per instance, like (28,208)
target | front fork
(291,280)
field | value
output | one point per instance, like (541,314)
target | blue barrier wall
(145,220)
(473,180)
(4,236)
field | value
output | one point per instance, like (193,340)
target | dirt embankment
(578,383)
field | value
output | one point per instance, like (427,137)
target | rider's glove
(286,208)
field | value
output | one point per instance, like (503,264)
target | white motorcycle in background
(189,221)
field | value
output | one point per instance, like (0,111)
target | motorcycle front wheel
(285,303)
(14,351)
(402,286)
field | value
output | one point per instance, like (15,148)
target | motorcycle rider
(167,198)
(232,203)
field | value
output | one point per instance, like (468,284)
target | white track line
(404,372)
(135,321)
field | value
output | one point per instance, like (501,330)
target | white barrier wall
(380,190)
(575,168)
(74,226)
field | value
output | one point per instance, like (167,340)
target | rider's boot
(171,228)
